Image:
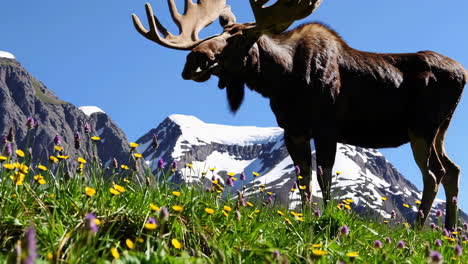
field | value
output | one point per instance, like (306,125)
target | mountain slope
(22,96)
(364,175)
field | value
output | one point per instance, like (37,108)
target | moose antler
(279,16)
(195,18)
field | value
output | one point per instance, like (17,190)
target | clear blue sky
(88,53)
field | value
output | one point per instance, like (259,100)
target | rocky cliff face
(363,175)
(22,96)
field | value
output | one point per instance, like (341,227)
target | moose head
(223,55)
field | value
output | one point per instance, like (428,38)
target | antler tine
(195,18)
(279,16)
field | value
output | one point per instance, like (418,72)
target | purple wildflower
(8,149)
(30,123)
(439,213)
(378,244)
(465,226)
(393,214)
(115,163)
(446,232)
(242,176)
(229,181)
(436,257)
(276,254)
(151,220)
(317,213)
(29,245)
(174,165)
(269,199)
(458,250)
(87,128)
(438,243)
(57,140)
(154,143)
(344,230)
(161,163)
(464,238)
(90,223)
(433,226)
(298,170)
(455,200)
(388,240)
(163,214)
(77,137)
(401,244)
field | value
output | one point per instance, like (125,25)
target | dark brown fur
(321,88)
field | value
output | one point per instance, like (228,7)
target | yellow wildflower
(50,256)
(133,145)
(124,167)
(137,155)
(20,153)
(250,204)
(53,159)
(151,226)
(418,202)
(126,180)
(280,213)
(90,191)
(63,157)
(293,189)
(9,166)
(225,214)
(300,177)
(302,187)
(209,211)
(58,148)
(255,174)
(97,221)
(338,173)
(190,165)
(231,174)
(227,208)
(114,191)
(3,158)
(316,245)
(140,240)
(18,178)
(81,160)
(154,207)
(129,243)
(176,243)
(42,181)
(119,188)
(41,167)
(347,207)
(115,253)
(52,196)
(349,200)
(96,138)
(175,193)
(451,239)
(406,205)
(178,208)
(318,252)
(21,167)
(287,220)
(352,254)
(212,169)
(383,198)
(270,193)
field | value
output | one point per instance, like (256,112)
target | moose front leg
(325,150)
(299,149)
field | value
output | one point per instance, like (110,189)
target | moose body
(320,88)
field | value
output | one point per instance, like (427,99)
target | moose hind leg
(299,149)
(326,153)
(432,170)
(450,180)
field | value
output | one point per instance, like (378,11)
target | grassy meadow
(76,211)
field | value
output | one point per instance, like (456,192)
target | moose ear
(227,18)
(235,94)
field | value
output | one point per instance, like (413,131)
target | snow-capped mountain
(363,175)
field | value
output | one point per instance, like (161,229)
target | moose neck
(269,60)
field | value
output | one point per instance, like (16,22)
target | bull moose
(320,88)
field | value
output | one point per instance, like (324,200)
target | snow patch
(197,132)
(8,55)
(89,110)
